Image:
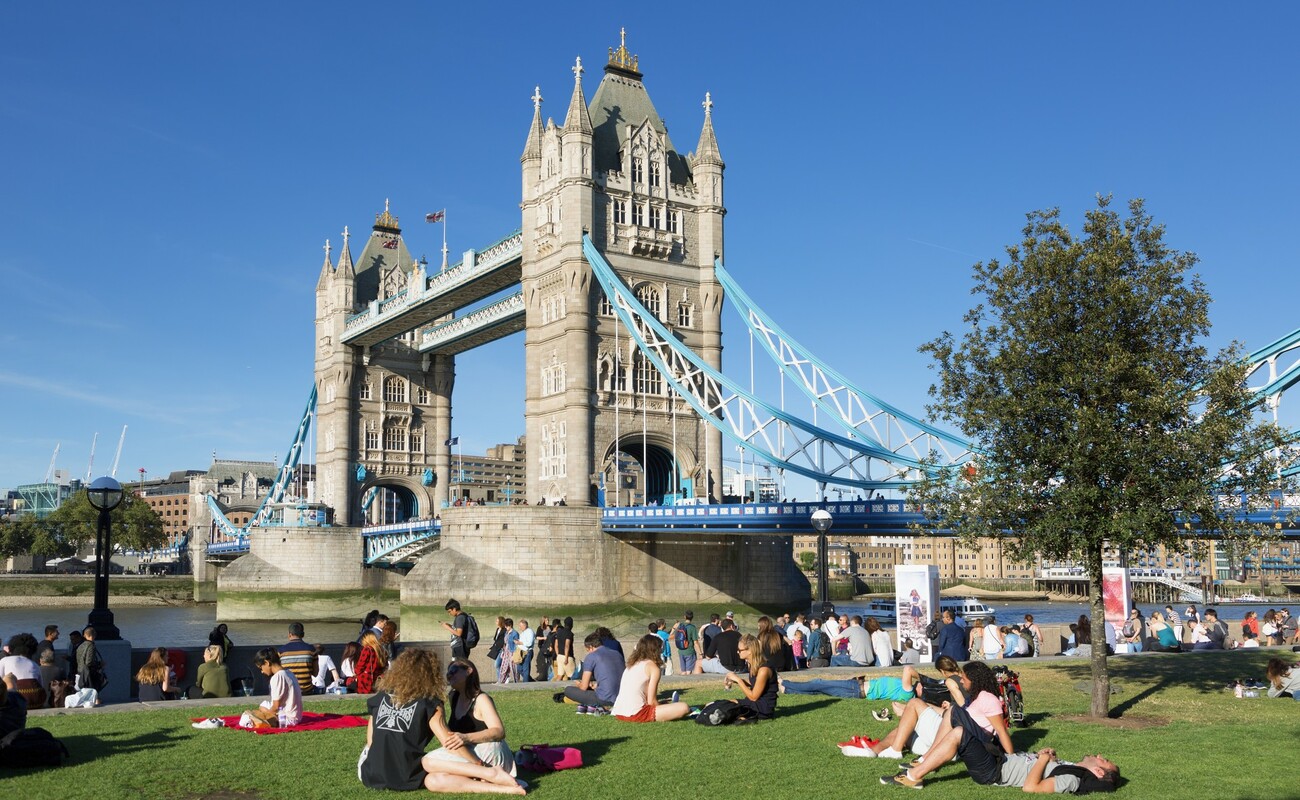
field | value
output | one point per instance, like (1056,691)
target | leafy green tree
(808,560)
(72,525)
(1099,417)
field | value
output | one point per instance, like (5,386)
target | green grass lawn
(1181,734)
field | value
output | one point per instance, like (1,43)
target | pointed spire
(327,269)
(578,119)
(345,256)
(533,147)
(706,152)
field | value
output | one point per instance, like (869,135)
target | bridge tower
(383,411)
(611,171)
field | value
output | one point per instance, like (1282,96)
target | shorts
(646,714)
(984,767)
(927,726)
(494,754)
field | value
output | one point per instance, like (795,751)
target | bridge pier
(554,556)
(302,574)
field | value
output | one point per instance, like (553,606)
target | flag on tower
(453,441)
(436,216)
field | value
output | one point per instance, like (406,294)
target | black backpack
(824,647)
(722,712)
(31,747)
(932,630)
(471,633)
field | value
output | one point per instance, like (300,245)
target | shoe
(676,696)
(901,779)
(211,723)
(854,741)
(584,709)
(881,715)
(597,711)
(858,752)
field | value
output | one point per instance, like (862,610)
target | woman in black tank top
(474,749)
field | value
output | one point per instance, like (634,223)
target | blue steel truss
(772,434)
(861,413)
(1277,378)
(393,544)
(277,490)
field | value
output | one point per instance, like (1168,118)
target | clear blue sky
(171,170)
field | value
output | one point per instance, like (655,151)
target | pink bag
(544,758)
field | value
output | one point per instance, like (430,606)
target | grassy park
(1179,733)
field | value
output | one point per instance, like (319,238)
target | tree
(135,526)
(808,560)
(1098,416)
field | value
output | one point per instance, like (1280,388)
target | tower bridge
(614,274)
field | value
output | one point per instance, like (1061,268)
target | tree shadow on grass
(790,711)
(85,749)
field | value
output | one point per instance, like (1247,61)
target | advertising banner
(1116,595)
(917,595)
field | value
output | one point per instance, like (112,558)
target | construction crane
(91,466)
(49,473)
(118,457)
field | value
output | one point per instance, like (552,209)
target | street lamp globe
(105,493)
(822,520)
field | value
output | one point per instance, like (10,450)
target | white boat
(882,609)
(968,607)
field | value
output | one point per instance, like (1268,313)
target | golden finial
(386,220)
(621,58)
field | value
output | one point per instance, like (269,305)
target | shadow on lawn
(790,711)
(85,749)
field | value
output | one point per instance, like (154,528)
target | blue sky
(171,170)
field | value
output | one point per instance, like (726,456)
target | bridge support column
(444,380)
(543,557)
(205,574)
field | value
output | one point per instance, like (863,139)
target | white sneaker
(208,724)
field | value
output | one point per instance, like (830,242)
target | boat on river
(970,608)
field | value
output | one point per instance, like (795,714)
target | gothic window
(654,173)
(638,170)
(606,307)
(654,217)
(553,308)
(417,441)
(685,315)
(674,221)
(394,390)
(329,392)
(395,439)
(365,390)
(638,214)
(620,212)
(649,297)
(421,395)
(372,440)
(648,379)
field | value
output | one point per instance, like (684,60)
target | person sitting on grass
(760,685)
(638,690)
(25,671)
(977,725)
(1162,638)
(602,672)
(474,756)
(13,707)
(919,716)
(154,677)
(371,663)
(286,694)
(213,677)
(1283,679)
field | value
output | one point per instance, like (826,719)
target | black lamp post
(821,522)
(105,494)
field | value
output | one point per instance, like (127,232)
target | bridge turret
(324,282)
(532,155)
(576,152)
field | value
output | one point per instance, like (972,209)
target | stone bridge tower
(612,171)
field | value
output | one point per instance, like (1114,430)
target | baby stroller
(1013,699)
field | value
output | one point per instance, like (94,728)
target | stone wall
(558,556)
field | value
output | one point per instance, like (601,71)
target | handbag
(494,650)
(545,758)
(518,656)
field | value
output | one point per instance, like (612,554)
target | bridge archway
(388,499)
(647,471)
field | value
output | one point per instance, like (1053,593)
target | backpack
(59,690)
(544,758)
(681,638)
(32,747)
(722,712)
(932,630)
(823,646)
(471,633)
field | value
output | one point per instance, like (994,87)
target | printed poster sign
(916,588)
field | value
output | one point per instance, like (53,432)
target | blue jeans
(844,661)
(850,689)
(526,668)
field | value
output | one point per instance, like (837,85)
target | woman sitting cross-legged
(637,699)
(760,686)
(405,714)
(213,677)
(474,756)
(154,677)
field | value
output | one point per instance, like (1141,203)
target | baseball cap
(731,615)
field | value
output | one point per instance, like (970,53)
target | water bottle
(1237,691)
(284,718)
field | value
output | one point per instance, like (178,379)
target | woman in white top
(348,664)
(881,645)
(637,699)
(993,644)
(327,676)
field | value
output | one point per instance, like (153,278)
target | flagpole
(444,240)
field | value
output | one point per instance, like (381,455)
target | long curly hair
(415,674)
(648,648)
(981,679)
(154,672)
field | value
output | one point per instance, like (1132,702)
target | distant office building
(496,477)
(44,498)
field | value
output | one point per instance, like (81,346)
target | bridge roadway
(397,543)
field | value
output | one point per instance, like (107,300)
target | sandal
(881,715)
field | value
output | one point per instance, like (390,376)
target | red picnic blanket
(310,722)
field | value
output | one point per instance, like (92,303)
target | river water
(181,626)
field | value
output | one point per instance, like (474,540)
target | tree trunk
(1100,670)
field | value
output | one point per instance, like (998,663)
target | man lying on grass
(1043,773)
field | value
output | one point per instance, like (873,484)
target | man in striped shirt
(299,657)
